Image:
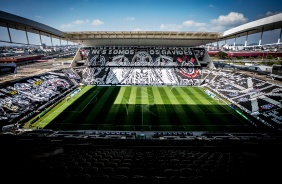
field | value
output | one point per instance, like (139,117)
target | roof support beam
(26,35)
(10,38)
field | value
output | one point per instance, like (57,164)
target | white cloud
(267,14)
(170,27)
(203,29)
(230,20)
(79,22)
(38,16)
(137,29)
(130,18)
(191,23)
(66,26)
(217,28)
(97,22)
(211,5)
(222,23)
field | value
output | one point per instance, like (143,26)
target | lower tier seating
(138,161)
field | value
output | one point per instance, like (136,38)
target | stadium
(137,107)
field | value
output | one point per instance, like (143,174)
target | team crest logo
(187,70)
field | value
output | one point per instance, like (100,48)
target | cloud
(38,16)
(66,26)
(267,14)
(211,6)
(97,22)
(130,18)
(191,23)
(222,23)
(217,28)
(230,20)
(80,22)
(188,25)
(170,27)
(137,29)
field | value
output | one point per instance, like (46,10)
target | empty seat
(80,178)
(119,179)
(106,170)
(100,178)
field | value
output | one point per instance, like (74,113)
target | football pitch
(144,108)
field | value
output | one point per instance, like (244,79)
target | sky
(146,15)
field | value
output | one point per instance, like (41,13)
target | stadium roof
(139,38)
(19,23)
(260,25)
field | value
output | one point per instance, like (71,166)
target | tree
(269,56)
(222,55)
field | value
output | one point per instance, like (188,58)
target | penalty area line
(91,100)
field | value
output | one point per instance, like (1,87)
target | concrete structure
(257,26)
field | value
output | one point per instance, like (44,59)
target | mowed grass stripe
(98,109)
(192,105)
(146,118)
(185,92)
(145,95)
(181,97)
(119,99)
(151,99)
(119,103)
(172,114)
(210,118)
(138,106)
(83,100)
(176,102)
(109,103)
(125,113)
(162,113)
(203,102)
(191,108)
(133,96)
(220,115)
(72,113)
(85,118)
(217,106)
(130,95)
(152,109)
(200,93)
(57,110)
(76,109)
(196,97)
(218,118)
(210,106)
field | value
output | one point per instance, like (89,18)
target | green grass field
(147,108)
